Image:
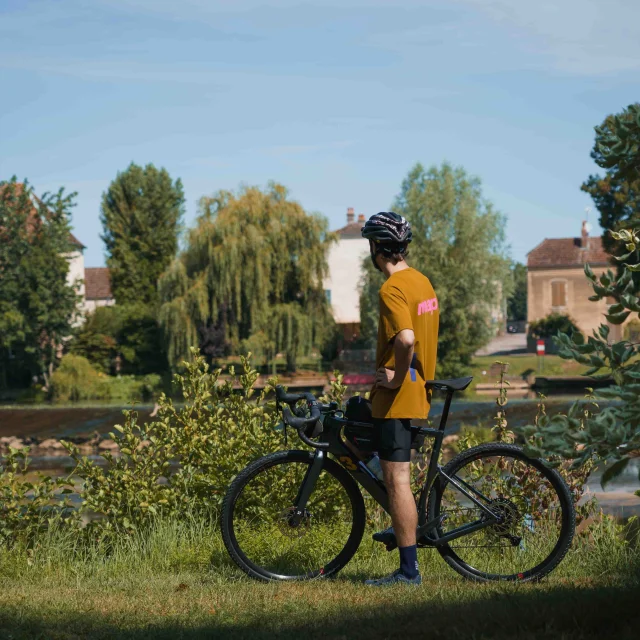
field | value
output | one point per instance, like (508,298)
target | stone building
(556,280)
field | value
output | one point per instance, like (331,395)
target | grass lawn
(520,366)
(178,583)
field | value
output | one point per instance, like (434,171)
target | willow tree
(252,269)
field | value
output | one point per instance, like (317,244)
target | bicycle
(491,512)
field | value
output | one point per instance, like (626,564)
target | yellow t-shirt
(407,301)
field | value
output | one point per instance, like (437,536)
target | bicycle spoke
(527,508)
(267,534)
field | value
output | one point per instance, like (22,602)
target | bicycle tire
(560,487)
(283,457)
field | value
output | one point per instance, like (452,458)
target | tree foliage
(37,305)
(459,243)
(141,214)
(122,339)
(616,195)
(611,434)
(252,271)
(517,301)
(550,325)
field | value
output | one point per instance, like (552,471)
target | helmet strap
(373,253)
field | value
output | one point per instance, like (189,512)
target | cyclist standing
(405,358)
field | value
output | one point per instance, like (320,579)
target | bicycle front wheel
(536,516)
(267,543)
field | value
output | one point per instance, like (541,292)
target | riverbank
(178,582)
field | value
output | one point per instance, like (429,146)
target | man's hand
(387,378)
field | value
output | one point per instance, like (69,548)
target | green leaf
(617,318)
(613,471)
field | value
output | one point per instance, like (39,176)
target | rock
(51,443)
(107,445)
(11,441)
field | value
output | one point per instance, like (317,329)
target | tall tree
(253,270)
(616,195)
(141,215)
(459,243)
(517,301)
(37,304)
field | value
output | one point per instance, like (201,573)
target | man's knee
(396,474)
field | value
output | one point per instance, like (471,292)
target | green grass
(178,582)
(520,366)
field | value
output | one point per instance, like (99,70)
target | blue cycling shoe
(397,577)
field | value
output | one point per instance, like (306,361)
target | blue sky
(336,99)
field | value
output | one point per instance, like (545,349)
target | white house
(94,282)
(345,271)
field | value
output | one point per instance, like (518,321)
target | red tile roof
(352,230)
(97,283)
(567,252)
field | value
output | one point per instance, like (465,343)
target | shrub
(76,379)
(551,325)
(122,339)
(187,457)
(27,508)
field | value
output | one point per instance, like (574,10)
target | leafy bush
(28,507)
(551,325)
(76,379)
(122,339)
(187,457)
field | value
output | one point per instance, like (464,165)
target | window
(327,293)
(559,293)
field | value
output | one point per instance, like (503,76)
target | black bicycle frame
(356,467)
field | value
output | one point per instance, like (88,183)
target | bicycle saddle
(457,384)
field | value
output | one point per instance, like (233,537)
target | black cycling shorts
(394,438)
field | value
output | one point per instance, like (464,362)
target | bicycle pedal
(390,546)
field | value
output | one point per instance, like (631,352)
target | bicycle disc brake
(288,526)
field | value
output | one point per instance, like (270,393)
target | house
(97,285)
(345,271)
(556,281)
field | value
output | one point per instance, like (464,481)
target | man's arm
(403,353)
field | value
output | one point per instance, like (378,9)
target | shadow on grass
(566,612)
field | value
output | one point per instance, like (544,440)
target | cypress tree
(141,215)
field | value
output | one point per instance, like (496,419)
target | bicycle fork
(306,488)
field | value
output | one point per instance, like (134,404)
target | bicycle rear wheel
(534,505)
(256,519)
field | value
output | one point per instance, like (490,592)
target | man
(405,358)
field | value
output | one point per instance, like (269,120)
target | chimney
(585,235)
(361,218)
(350,215)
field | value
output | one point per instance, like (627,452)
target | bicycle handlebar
(301,424)
(292,398)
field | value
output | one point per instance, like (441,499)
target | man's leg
(402,505)
(395,453)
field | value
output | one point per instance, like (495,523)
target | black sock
(409,561)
